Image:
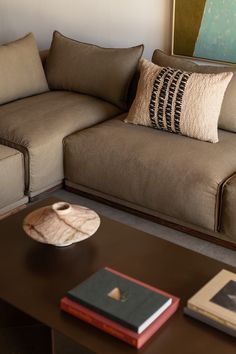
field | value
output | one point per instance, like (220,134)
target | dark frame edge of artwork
(191,57)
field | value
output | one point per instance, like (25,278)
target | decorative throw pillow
(227,119)
(86,68)
(179,101)
(21,70)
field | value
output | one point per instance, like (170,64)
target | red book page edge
(99,321)
(143,284)
(115,329)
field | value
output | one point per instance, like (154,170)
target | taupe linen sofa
(37,125)
(11,178)
(63,135)
(181,180)
(34,120)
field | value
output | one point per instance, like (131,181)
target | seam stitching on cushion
(9,156)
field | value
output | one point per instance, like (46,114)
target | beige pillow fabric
(179,101)
(227,119)
(86,68)
(21,70)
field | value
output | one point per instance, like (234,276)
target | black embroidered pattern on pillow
(166,99)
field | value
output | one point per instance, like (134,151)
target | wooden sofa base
(172,225)
(45,193)
(13,211)
(156,219)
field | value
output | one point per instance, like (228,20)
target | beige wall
(117,23)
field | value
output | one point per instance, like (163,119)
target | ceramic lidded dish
(61,224)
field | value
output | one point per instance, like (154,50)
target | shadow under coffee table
(34,276)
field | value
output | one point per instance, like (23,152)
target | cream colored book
(217,299)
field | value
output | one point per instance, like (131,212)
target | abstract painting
(205,29)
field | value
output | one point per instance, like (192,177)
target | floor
(209,249)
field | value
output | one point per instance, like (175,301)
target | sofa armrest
(227,221)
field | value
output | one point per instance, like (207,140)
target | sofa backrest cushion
(179,101)
(21,70)
(162,59)
(43,56)
(227,119)
(89,69)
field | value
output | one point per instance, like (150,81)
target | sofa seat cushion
(37,126)
(168,173)
(11,178)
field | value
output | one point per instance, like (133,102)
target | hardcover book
(209,321)
(114,328)
(120,299)
(216,301)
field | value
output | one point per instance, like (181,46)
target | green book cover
(122,300)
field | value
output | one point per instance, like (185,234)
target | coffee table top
(35,276)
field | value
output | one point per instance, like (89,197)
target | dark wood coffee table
(33,278)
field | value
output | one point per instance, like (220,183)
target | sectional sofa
(65,125)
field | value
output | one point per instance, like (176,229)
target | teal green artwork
(205,29)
